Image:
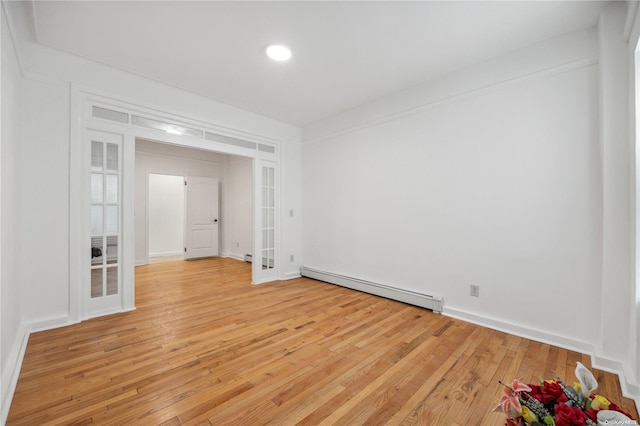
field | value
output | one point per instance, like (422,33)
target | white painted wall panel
(237,208)
(43,256)
(498,188)
(166,215)
(12,125)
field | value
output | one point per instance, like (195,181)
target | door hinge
(185,183)
(185,249)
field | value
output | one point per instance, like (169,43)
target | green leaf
(549,421)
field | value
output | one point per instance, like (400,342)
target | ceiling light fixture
(278,52)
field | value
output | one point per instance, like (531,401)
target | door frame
(88,108)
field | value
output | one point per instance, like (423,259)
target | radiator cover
(418,299)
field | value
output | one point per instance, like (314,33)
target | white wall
(166,215)
(616,154)
(237,207)
(10,139)
(44,202)
(495,184)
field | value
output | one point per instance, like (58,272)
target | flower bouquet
(553,403)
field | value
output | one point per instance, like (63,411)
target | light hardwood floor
(205,347)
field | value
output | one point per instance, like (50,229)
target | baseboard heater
(410,297)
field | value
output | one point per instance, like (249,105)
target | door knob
(215,220)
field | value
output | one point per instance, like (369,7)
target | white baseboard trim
(106,312)
(519,330)
(166,254)
(233,256)
(11,372)
(291,275)
(413,298)
(629,388)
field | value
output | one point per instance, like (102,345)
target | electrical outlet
(475,290)
(238,245)
(290,258)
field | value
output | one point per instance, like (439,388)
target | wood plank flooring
(205,347)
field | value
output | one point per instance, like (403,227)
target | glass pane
(112,280)
(266,148)
(268,259)
(109,114)
(229,141)
(271,180)
(265,236)
(270,218)
(96,220)
(96,282)
(96,188)
(112,188)
(112,249)
(167,127)
(270,193)
(96,250)
(111,220)
(112,157)
(271,233)
(265,175)
(97,155)
(265,197)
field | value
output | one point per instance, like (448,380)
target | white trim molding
(11,373)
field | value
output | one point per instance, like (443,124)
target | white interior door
(202,217)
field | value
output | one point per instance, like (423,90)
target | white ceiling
(345,53)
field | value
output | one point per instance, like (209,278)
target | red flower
(535,392)
(592,414)
(569,416)
(552,392)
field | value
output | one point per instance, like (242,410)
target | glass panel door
(268,218)
(105,183)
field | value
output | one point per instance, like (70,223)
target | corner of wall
(630,389)
(11,370)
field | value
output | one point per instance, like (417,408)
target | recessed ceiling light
(278,52)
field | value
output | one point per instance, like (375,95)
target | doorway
(166,218)
(122,124)
(165,168)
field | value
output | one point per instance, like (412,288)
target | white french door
(265,265)
(103,278)
(202,217)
